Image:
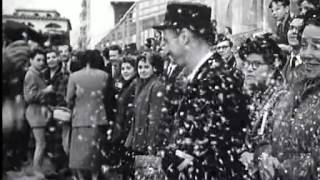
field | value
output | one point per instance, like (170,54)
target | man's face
(114,55)
(224,49)
(173,47)
(52,60)
(310,52)
(294,32)
(279,11)
(64,53)
(38,62)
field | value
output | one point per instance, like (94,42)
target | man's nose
(274,14)
(250,68)
(295,30)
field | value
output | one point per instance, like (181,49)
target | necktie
(293,62)
(170,70)
(65,69)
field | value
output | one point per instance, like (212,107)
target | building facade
(243,16)
(85,21)
(48,22)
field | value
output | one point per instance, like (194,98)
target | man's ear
(184,36)
(287,9)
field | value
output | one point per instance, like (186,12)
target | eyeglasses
(222,47)
(253,64)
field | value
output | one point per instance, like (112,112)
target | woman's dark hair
(285,3)
(313,17)
(91,57)
(99,60)
(105,53)
(313,2)
(222,37)
(154,59)
(129,59)
(264,46)
(229,29)
(36,51)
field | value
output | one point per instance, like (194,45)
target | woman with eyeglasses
(263,61)
(144,137)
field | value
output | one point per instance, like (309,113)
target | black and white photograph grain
(161,90)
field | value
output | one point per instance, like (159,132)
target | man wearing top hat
(207,130)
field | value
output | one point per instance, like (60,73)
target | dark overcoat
(209,124)
(144,132)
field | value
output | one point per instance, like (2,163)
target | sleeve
(71,92)
(155,114)
(31,90)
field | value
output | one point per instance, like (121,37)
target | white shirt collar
(200,63)
(298,61)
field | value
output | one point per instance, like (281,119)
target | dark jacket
(59,81)
(148,104)
(282,30)
(173,93)
(209,124)
(125,111)
(289,69)
(171,76)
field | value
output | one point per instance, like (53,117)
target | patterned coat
(296,133)
(209,125)
(259,135)
(59,82)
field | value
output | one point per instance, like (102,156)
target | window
(240,15)
(49,15)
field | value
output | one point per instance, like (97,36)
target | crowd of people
(190,105)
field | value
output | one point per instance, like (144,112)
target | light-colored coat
(86,93)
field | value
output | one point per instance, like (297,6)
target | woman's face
(145,69)
(52,60)
(127,71)
(310,52)
(256,71)
(38,62)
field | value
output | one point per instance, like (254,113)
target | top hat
(193,16)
